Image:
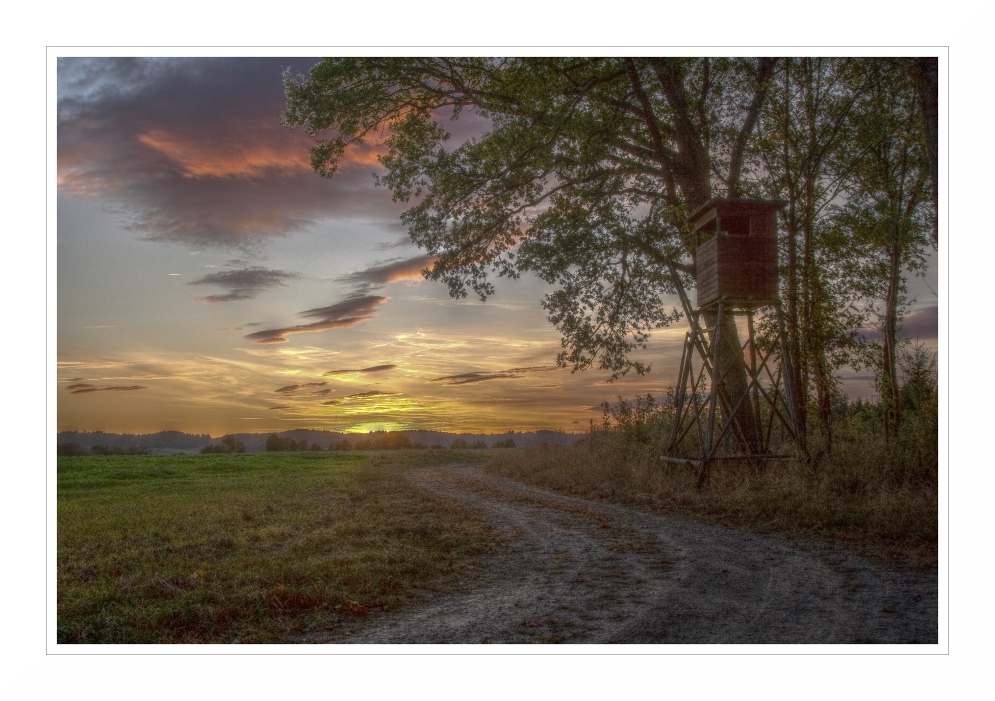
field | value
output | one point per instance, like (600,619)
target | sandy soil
(577,571)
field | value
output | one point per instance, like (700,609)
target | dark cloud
(244,283)
(332,402)
(920,324)
(348,312)
(294,388)
(472,377)
(393,271)
(274,408)
(84,388)
(193,151)
(370,395)
(402,241)
(375,368)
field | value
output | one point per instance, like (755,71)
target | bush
(641,421)
(69,449)
(229,444)
(277,443)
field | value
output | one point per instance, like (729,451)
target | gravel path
(574,570)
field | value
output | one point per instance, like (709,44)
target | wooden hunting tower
(748,390)
(736,252)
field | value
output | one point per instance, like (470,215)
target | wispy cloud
(370,395)
(375,368)
(85,388)
(294,388)
(473,377)
(348,312)
(393,271)
(243,283)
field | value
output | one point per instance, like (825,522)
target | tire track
(582,571)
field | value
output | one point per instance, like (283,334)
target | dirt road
(573,570)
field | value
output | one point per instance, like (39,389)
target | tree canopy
(584,177)
(587,169)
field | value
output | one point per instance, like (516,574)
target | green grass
(254,548)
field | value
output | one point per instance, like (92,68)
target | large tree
(805,147)
(585,176)
(887,213)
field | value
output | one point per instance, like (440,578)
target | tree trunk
(890,391)
(792,320)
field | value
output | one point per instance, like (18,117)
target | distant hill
(163,441)
(178,442)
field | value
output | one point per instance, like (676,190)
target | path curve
(575,570)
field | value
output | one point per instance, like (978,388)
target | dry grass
(253,548)
(878,502)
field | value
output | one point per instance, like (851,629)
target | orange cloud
(396,271)
(200,160)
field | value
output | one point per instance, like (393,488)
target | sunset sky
(210,282)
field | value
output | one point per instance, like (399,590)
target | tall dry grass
(880,500)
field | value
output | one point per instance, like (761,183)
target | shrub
(640,421)
(209,449)
(277,443)
(69,449)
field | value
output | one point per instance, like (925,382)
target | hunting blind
(748,386)
(736,252)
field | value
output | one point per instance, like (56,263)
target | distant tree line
(161,440)
(73,448)
(378,440)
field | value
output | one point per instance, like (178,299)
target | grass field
(266,547)
(254,548)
